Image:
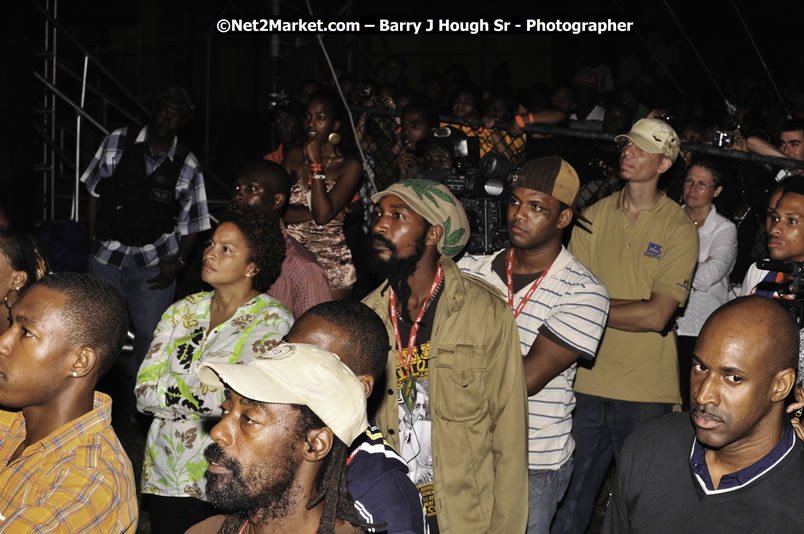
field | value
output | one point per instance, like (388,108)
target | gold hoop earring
(16,293)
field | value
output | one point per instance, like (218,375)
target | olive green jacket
(477,405)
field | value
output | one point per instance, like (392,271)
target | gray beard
(235,494)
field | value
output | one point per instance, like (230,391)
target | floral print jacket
(169,390)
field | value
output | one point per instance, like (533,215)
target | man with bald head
(302,283)
(733,462)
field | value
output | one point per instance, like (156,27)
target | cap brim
(377,196)
(408,197)
(644,144)
(247,381)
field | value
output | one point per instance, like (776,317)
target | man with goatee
(454,397)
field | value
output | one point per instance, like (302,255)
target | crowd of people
(350,367)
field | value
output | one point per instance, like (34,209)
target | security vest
(136,208)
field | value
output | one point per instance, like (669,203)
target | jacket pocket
(458,371)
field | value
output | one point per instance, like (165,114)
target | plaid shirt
(302,283)
(77,479)
(193,215)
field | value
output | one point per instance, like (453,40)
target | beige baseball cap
(297,373)
(653,136)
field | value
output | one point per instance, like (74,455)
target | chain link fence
(595,156)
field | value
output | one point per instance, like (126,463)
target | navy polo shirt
(743,476)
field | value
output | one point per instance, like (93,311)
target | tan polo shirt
(657,254)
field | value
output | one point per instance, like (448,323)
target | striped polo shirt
(573,305)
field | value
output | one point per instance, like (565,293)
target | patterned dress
(326,242)
(168,388)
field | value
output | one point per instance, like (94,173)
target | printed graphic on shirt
(653,251)
(415,425)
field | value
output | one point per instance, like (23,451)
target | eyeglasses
(698,186)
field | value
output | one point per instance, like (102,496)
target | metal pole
(207,97)
(274,51)
(47,119)
(53,70)
(72,104)
(76,192)
(117,83)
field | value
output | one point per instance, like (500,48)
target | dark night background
(150,44)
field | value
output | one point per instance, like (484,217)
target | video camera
(479,185)
(724,137)
(793,287)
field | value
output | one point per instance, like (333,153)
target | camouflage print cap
(438,206)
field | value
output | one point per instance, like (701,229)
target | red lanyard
(415,328)
(510,280)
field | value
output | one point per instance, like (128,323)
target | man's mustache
(708,412)
(377,239)
(214,453)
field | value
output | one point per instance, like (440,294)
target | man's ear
(84,360)
(564,218)
(782,384)
(434,235)
(318,444)
(367,381)
(665,164)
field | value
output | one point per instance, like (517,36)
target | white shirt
(573,304)
(717,252)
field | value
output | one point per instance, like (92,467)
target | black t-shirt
(415,419)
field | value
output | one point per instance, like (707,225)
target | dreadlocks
(330,489)
(331,486)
